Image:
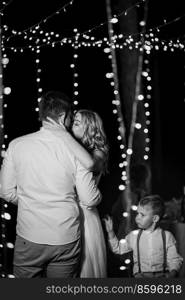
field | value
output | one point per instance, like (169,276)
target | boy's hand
(108,223)
(171,274)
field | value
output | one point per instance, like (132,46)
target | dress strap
(138,253)
(164,250)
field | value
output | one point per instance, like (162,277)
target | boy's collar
(151,229)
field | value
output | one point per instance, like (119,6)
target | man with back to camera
(41,176)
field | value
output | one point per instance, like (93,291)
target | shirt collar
(52,125)
(154,228)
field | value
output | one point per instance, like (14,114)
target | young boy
(154,250)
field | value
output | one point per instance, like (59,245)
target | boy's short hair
(53,104)
(156,203)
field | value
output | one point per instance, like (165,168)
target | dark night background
(168,82)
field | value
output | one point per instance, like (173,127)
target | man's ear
(156,218)
(61,119)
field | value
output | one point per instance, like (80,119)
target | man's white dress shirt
(43,177)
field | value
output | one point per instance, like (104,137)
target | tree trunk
(130,64)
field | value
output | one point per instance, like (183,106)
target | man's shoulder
(23,138)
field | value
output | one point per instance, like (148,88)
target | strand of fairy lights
(113,76)
(121,131)
(113,79)
(38,79)
(34,29)
(137,93)
(36,26)
(152,42)
(163,47)
(147,82)
(113,20)
(5,4)
(6,92)
(184,102)
(149,30)
(75,72)
(134,125)
(47,39)
(1,133)
(120,137)
(5,215)
(115,17)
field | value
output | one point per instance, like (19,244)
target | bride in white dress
(91,149)
(88,128)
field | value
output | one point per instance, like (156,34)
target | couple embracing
(52,176)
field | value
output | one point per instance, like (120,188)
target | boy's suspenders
(138,253)
(164,250)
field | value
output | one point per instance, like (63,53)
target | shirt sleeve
(174,260)
(8,190)
(87,190)
(120,247)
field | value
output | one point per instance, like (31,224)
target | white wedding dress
(94,258)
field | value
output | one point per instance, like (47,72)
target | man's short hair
(156,203)
(53,104)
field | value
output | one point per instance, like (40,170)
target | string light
(5,215)
(146,75)
(116,17)
(122,268)
(134,207)
(38,79)
(48,37)
(74,67)
(125,214)
(37,26)
(117,110)
(127,261)
(151,43)
(5,4)
(10,276)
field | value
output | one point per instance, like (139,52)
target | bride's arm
(79,151)
(99,160)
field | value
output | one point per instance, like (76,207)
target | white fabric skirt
(94,258)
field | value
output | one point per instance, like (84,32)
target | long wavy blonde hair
(94,137)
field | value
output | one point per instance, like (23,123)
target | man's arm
(8,187)
(87,190)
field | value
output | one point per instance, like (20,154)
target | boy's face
(145,217)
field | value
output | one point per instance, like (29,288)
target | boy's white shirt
(151,250)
